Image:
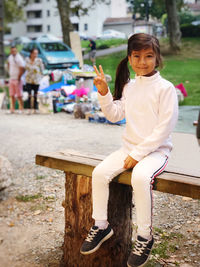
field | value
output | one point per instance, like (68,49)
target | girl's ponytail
(122,77)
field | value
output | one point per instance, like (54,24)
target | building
(42,17)
(123,24)
(193,6)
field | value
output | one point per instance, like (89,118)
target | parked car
(83,36)
(110,34)
(6,42)
(21,40)
(196,22)
(54,53)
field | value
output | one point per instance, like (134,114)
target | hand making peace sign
(100,81)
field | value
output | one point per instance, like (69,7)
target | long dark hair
(136,42)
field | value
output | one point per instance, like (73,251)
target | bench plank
(83,164)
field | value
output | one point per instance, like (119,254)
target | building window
(34,28)
(37,1)
(75,27)
(85,27)
(48,28)
(34,14)
(7,30)
(48,13)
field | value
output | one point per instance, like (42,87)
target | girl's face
(143,62)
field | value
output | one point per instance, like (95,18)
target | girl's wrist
(104,92)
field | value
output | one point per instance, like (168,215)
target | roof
(126,20)
(123,20)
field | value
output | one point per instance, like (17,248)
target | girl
(34,69)
(149,104)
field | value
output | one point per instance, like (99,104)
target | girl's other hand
(129,162)
(100,81)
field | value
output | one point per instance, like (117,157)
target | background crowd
(24,75)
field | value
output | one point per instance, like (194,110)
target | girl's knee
(97,172)
(139,177)
(99,175)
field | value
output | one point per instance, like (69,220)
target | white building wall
(51,24)
(94,20)
(118,8)
(98,14)
(17,29)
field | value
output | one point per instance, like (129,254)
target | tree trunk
(64,11)
(173,25)
(78,221)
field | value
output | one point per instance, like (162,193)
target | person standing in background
(15,70)
(34,70)
(92,53)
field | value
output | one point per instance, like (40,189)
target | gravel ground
(31,212)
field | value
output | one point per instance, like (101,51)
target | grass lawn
(183,68)
(186,71)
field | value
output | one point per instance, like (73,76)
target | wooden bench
(78,206)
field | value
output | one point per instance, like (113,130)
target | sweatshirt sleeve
(113,110)
(167,118)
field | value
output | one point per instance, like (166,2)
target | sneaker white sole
(98,246)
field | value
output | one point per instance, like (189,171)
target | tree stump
(78,221)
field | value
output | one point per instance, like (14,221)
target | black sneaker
(141,252)
(95,238)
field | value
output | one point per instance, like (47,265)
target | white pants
(142,179)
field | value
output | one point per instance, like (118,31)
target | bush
(189,30)
(103,46)
(186,17)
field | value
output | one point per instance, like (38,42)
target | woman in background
(34,69)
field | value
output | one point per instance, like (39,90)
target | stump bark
(78,221)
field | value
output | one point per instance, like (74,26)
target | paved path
(108,51)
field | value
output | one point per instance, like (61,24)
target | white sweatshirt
(150,106)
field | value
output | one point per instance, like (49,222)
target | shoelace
(92,234)
(139,247)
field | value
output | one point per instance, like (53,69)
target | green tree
(186,17)
(12,11)
(156,8)
(173,25)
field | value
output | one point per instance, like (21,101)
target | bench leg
(78,211)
